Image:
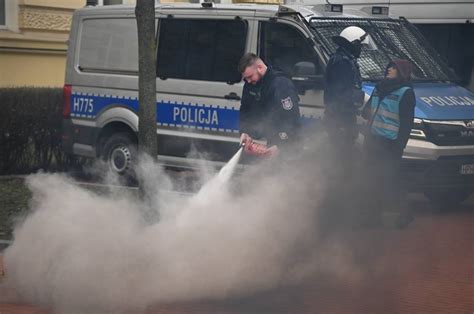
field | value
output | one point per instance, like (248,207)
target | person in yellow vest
(390,113)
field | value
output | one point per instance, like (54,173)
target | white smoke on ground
(83,252)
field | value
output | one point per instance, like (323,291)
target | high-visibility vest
(386,115)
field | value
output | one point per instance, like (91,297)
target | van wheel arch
(110,129)
(117,146)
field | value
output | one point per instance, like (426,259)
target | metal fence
(394,39)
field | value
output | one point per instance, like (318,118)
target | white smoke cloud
(79,251)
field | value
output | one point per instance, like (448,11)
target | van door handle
(233,96)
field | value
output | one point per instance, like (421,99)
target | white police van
(199,88)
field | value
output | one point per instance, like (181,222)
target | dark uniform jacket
(270,110)
(342,84)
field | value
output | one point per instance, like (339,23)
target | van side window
(201,49)
(102,45)
(283,46)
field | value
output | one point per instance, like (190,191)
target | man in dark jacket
(269,108)
(342,92)
(390,113)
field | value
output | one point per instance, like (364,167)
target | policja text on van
(195,115)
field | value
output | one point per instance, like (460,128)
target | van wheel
(447,198)
(120,152)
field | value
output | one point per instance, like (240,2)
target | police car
(199,88)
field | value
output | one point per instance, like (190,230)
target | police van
(199,87)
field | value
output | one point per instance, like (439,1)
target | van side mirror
(305,77)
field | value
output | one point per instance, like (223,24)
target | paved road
(426,268)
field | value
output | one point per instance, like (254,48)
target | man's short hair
(247,60)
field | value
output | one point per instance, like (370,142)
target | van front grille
(449,133)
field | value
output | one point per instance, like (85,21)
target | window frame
(88,68)
(224,19)
(3,7)
(101,2)
(11,16)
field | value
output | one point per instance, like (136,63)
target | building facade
(33,35)
(33,38)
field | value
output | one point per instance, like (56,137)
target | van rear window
(109,45)
(201,49)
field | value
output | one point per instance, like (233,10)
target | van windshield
(391,39)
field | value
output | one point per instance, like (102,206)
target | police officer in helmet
(342,98)
(269,108)
(342,92)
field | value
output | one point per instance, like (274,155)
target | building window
(2,13)
(111,2)
(201,49)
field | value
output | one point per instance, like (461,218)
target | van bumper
(428,166)
(78,140)
(67,136)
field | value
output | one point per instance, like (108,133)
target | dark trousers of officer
(339,162)
(381,171)
(341,128)
(342,132)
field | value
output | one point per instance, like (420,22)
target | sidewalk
(426,268)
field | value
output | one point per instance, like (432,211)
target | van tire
(447,198)
(120,154)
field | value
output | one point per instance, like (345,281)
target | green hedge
(30,130)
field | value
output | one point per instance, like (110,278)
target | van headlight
(417,131)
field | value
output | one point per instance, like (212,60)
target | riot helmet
(352,38)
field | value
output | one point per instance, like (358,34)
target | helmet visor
(367,42)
